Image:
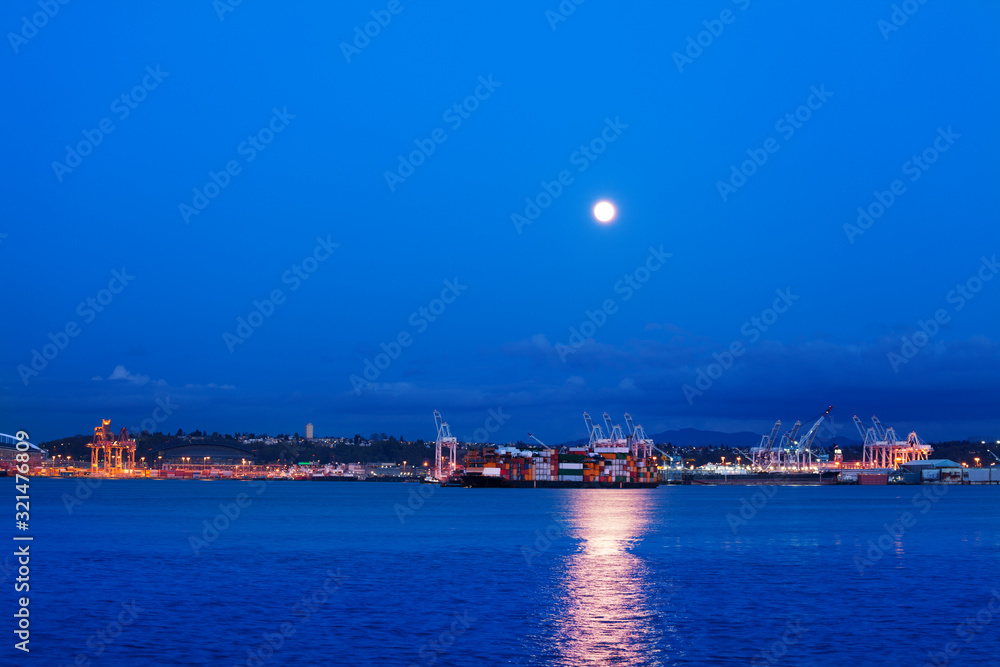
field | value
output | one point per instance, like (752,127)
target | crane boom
(879,430)
(795,430)
(861,428)
(810,435)
(538,441)
(774,431)
(610,427)
(593,430)
(629,424)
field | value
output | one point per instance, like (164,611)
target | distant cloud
(770,378)
(666,326)
(537,347)
(122,373)
(391,389)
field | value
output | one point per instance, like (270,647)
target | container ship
(574,468)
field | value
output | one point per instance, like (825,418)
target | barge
(764,478)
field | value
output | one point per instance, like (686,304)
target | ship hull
(495,482)
(765,478)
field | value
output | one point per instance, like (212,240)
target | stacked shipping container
(604,464)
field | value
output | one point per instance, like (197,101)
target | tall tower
(309,431)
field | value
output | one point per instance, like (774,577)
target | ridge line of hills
(689,437)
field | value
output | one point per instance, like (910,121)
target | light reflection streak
(608,617)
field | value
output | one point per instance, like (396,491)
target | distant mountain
(692,437)
(688,437)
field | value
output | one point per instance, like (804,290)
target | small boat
(453,480)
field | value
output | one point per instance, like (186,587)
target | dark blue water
(367,573)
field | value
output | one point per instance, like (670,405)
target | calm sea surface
(374,573)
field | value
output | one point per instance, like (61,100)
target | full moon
(604,211)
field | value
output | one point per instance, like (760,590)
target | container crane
(805,444)
(917,446)
(645,446)
(779,459)
(615,434)
(444,437)
(593,431)
(119,454)
(763,455)
(884,449)
(642,445)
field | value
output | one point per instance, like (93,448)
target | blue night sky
(614,102)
